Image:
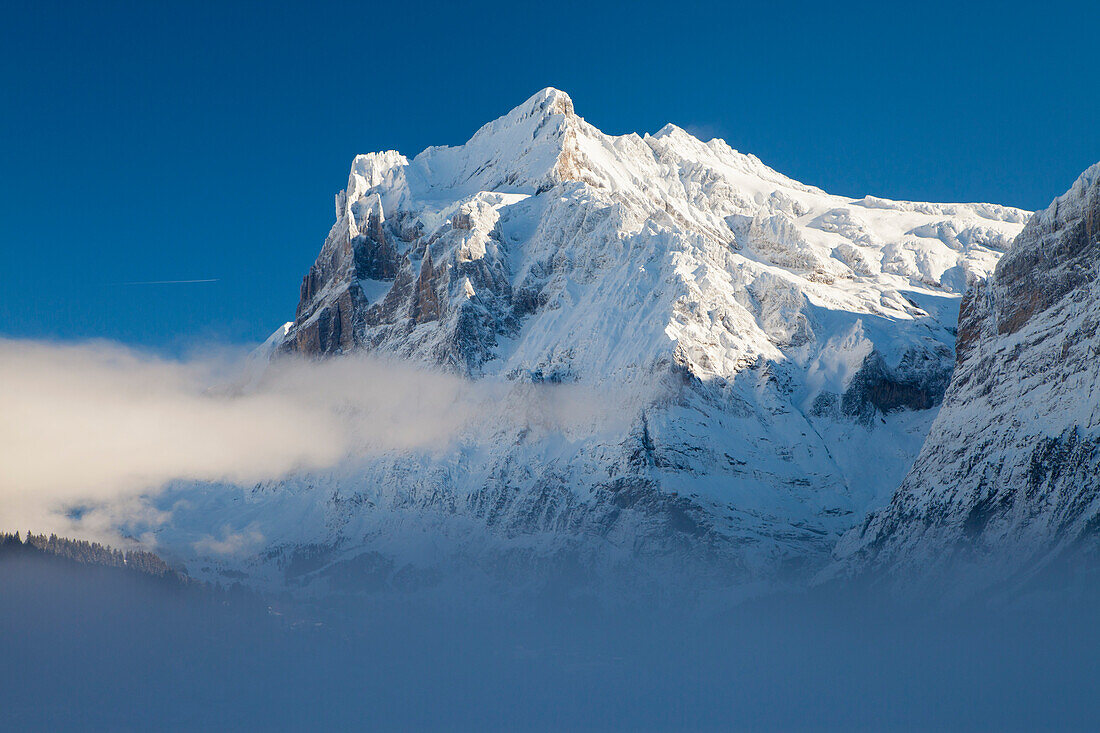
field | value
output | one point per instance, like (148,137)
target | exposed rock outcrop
(1009,477)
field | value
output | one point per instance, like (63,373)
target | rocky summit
(776,353)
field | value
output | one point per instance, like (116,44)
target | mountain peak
(549,101)
(671,129)
(536,112)
(525,150)
(765,336)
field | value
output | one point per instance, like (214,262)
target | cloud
(89,424)
(705,131)
(231,543)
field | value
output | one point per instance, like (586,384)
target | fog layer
(95,423)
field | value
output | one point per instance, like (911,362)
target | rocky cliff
(1009,477)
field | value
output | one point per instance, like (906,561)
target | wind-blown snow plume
(96,423)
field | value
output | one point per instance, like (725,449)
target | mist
(97,649)
(97,423)
(106,648)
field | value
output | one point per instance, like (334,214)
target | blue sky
(152,141)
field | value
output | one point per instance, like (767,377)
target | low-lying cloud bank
(96,649)
(94,423)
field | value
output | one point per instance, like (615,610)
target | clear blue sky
(151,141)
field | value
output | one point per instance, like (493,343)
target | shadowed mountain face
(1009,477)
(755,340)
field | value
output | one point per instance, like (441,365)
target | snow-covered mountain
(784,351)
(1009,478)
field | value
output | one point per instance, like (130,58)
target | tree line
(90,553)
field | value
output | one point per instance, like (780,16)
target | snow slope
(784,351)
(1009,478)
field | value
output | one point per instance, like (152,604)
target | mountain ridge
(770,335)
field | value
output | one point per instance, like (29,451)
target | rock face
(771,337)
(1009,477)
